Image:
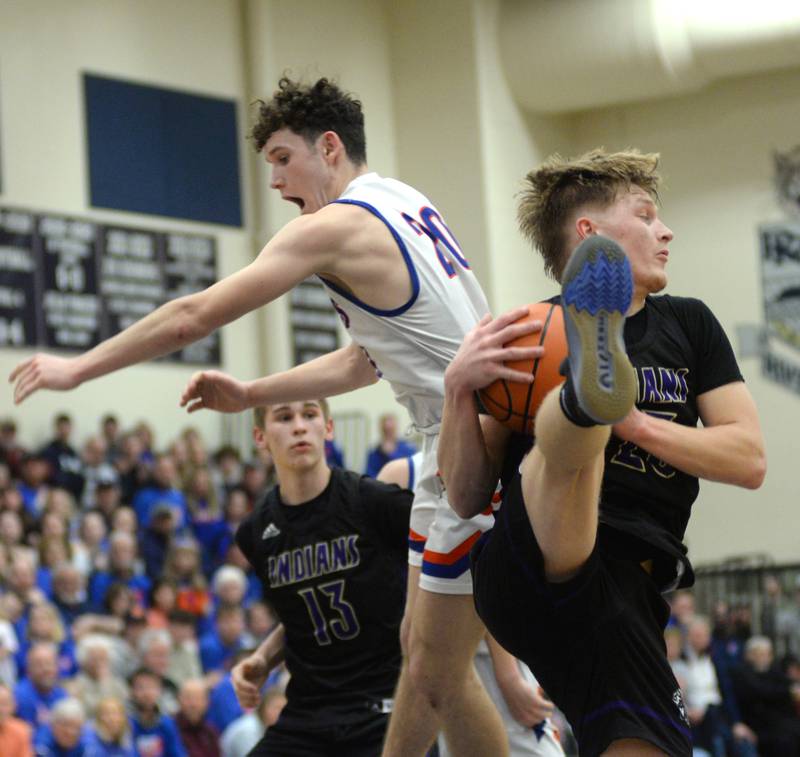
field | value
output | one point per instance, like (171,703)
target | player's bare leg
(561,485)
(412,588)
(561,477)
(438,687)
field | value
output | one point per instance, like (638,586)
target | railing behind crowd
(753,590)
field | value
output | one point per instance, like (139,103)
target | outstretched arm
(729,447)
(468,443)
(303,246)
(337,372)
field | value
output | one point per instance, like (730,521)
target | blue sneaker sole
(596,292)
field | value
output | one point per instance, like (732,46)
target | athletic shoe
(596,292)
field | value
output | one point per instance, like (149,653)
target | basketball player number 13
(434,227)
(343,626)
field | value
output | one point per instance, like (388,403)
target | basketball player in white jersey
(406,293)
(510,684)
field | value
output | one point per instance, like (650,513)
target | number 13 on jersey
(344,624)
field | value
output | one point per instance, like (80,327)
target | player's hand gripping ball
(515,404)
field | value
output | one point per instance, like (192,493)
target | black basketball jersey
(333,569)
(679,351)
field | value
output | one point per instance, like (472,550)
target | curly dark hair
(559,186)
(310,110)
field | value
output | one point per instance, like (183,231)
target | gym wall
(443,113)
(46,48)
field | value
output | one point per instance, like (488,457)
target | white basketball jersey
(413,344)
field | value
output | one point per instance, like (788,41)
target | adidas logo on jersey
(270,531)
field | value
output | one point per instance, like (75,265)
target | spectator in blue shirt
(112,729)
(157,539)
(69,593)
(389,447)
(162,490)
(32,487)
(66,735)
(123,569)
(39,690)
(45,625)
(216,536)
(223,706)
(218,647)
(334,454)
(154,734)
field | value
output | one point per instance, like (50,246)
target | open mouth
(297,201)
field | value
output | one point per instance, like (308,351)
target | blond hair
(561,185)
(58,633)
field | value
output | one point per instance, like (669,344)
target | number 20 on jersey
(444,243)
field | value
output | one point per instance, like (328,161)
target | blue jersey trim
(412,272)
(416,546)
(438,570)
(411,474)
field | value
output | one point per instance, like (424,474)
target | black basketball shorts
(291,738)
(595,642)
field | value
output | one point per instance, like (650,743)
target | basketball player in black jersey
(590,530)
(330,547)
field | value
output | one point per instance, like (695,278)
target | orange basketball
(515,404)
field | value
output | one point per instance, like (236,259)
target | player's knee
(425,683)
(434,674)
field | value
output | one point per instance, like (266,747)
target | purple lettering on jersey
(308,556)
(339,553)
(313,560)
(284,567)
(649,390)
(323,558)
(669,384)
(299,572)
(661,386)
(352,549)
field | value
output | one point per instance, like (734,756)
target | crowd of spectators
(124,603)
(740,699)
(124,600)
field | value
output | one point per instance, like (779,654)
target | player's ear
(329,430)
(585,227)
(331,146)
(260,438)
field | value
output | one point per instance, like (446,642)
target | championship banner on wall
(68,283)
(780,279)
(780,276)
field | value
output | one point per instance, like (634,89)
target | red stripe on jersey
(447,558)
